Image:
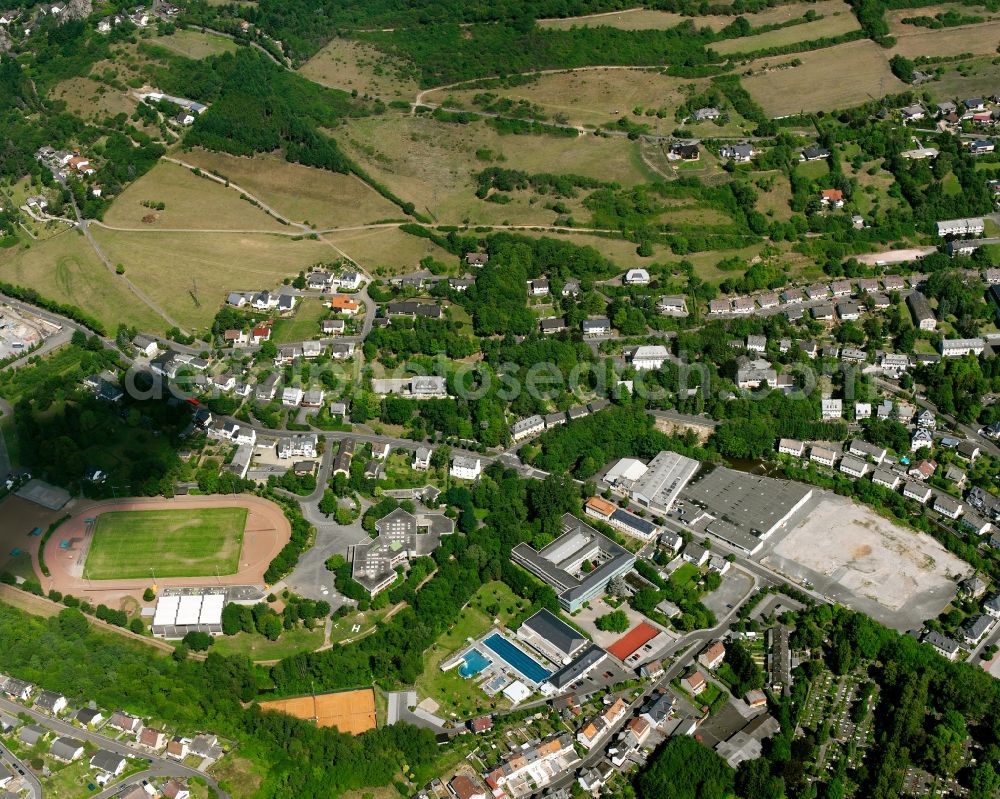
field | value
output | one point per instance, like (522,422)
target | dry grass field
(594,96)
(324,199)
(774,202)
(432,164)
(387,251)
(834,25)
(808,87)
(92,100)
(65,268)
(345,64)
(349,711)
(192,202)
(636,19)
(195,44)
(979,76)
(219,262)
(978,39)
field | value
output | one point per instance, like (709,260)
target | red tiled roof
(632,640)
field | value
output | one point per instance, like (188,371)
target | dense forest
(258,107)
(448,52)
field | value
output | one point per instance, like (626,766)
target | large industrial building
(655,485)
(563,564)
(744,509)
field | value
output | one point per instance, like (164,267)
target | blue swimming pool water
(517,658)
(475,662)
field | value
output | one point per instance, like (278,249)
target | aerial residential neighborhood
(428,401)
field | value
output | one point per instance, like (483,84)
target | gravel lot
(866,562)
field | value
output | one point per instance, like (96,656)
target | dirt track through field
(267,531)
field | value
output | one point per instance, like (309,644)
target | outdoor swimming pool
(517,659)
(475,662)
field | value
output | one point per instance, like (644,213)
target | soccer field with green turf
(168,543)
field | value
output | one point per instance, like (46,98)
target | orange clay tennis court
(348,711)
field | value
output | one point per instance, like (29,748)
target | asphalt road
(162,766)
(29,779)
(968,431)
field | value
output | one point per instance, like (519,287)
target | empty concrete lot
(857,558)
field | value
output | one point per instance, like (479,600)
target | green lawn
(812,169)
(304,325)
(166,543)
(950,185)
(257,647)
(453,693)
(684,574)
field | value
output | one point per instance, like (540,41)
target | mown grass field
(217,262)
(977,39)
(195,44)
(834,25)
(257,647)
(348,65)
(192,202)
(65,268)
(304,324)
(301,193)
(388,251)
(172,543)
(812,86)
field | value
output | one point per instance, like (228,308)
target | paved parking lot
(736,584)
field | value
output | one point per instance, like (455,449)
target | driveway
(310,578)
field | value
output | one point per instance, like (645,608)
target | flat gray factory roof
(749,503)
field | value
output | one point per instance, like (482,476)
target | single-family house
(831,198)
(823,455)
(596,327)
(853,467)
(711,657)
(66,749)
(918,491)
(695,683)
(50,702)
(832,408)
(739,153)
(791,446)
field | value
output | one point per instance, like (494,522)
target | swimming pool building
(579,564)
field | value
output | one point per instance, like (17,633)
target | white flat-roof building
(649,357)
(198,610)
